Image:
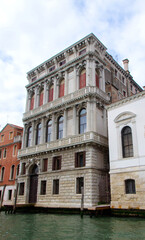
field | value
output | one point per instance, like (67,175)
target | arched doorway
(33,184)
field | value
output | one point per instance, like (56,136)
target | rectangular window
(62,62)
(5,153)
(2,138)
(10,135)
(80,159)
(21,188)
(56,186)
(82,52)
(51,68)
(43,187)
(56,163)
(23,171)
(79,185)
(9,194)
(14,150)
(130,186)
(44,164)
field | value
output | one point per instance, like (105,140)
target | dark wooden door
(33,189)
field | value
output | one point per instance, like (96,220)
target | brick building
(65,141)
(10,143)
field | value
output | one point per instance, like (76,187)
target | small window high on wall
(82,82)
(61,88)
(127,144)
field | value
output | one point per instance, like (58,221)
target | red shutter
(97,80)
(61,90)
(51,94)
(45,164)
(32,103)
(83,80)
(41,99)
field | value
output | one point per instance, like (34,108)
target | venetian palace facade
(65,142)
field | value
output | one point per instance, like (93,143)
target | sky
(32,31)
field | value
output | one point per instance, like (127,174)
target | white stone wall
(127,113)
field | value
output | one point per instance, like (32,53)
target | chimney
(125,63)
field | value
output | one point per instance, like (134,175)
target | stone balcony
(18,138)
(88,137)
(69,98)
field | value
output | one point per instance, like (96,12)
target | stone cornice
(84,41)
(126,100)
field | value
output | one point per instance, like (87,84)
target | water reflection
(64,227)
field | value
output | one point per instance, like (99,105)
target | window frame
(82,125)
(29,136)
(12,172)
(127,142)
(56,187)
(43,187)
(2,174)
(79,184)
(44,164)
(38,133)
(56,163)
(130,187)
(78,161)
(60,125)
(21,188)
(49,126)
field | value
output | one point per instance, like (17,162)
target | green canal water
(69,227)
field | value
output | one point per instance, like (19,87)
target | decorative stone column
(74,120)
(42,131)
(28,100)
(65,124)
(88,116)
(66,83)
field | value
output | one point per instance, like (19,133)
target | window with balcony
(82,80)
(29,137)
(38,134)
(48,131)
(60,127)
(82,121)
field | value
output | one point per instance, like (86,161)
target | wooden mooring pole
(82,202)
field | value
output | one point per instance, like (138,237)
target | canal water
(69,227)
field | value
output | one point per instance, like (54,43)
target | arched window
(38,134)
(130,186)
(32,102)
(41,98)
(12,172)
(127,145)
(50,98)
(2,173)
(82,82)
(82,121)
(60,127)
(97,79)
(29,137)
(48,131)
(61,88)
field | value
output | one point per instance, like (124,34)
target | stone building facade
(126,120)
(65,144)
(10,143)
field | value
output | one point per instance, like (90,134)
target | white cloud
(33,31)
